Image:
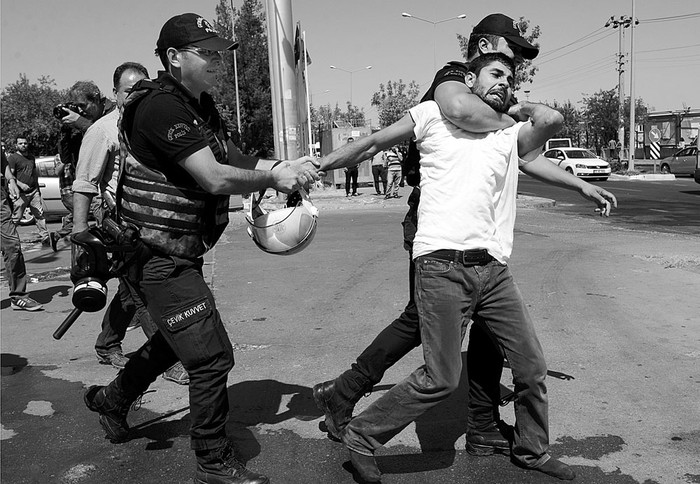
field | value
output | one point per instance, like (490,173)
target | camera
(60,111)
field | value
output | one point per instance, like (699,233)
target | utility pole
(622,23)
(633,132)
(235,73)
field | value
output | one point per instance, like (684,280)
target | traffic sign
(654,150)
(654,135)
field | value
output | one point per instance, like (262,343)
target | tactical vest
(184,221)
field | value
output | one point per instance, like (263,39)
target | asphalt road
(667,206)
(616,314)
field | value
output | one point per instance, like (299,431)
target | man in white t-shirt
(461,258)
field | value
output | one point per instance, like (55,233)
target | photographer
(85,106)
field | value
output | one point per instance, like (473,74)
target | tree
(394,99)
(601,116)
(27,110)
(641,116)
(326,117)
(255,97)
(572,123)
(525,71)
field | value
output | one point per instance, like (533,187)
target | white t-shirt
(468,185)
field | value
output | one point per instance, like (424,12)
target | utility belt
(472,257)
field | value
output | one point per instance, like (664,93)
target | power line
(577,70)
(669,48)
(571,76)
(577,49)
(587,36)
(670,19)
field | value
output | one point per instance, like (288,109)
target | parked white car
(580,162)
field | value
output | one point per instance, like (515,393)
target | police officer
(180,169)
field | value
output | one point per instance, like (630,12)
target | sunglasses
(202,52)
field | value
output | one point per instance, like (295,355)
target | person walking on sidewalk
(393,165)
(461,261)
(486,432)
(179,171)
(23,169)
(379,174)
(15,269)
(351,174)
(97,170)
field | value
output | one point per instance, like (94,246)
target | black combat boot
(220,466)
(497,438)
(113,406)
(336,408)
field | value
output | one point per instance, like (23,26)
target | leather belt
(472,257)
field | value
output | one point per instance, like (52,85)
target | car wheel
(665,169)
(27,217)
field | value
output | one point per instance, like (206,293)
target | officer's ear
(173,57)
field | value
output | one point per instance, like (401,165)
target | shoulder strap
(140,90)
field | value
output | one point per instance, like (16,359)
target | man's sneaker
(112,408)
(496,438)
(338,410)
(53,239)
(220,466)
(26,304)
(114,358)
(177,374)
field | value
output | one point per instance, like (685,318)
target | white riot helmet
(285,231)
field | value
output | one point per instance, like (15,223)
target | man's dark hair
(127,66)
(85,90)
(483,60)
(473,45)
(162,55)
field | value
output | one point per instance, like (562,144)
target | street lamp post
(458,17)
(351,73)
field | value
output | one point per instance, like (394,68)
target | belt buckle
(474,257)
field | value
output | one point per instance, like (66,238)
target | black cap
(191,29)
(506,27)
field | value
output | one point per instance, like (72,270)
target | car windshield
(45,166)
(578,154)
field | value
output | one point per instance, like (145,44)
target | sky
(71,40)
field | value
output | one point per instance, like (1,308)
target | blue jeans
(31,199)
(448,295)
(15,269)
(393,181)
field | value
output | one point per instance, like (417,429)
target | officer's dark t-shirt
(164,131)
(452,71)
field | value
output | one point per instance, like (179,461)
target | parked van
(557,143)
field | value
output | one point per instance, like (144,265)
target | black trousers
(351,178)
(190,330)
